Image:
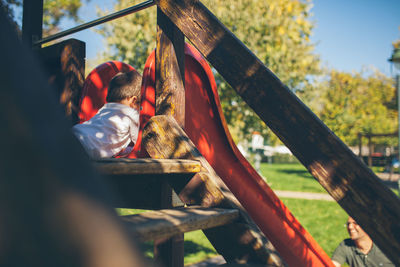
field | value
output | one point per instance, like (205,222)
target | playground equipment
(353,185)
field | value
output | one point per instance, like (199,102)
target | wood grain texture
(355,187)
(240,241)
(170,100)
(170,91)
(146,166)
(65,66)
(168,222)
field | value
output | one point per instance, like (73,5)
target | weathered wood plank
(64,63)
(170,100)
(170,70)
(141,191)
(240,241)
(140,183)
(337,169)
(137,167)
(165,223)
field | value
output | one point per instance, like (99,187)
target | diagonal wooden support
(355,187)
(170,100)
(240,241)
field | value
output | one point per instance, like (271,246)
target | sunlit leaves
(277,31)
(353,103)
(131,38)
(54,11)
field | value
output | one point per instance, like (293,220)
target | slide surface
(95,88)
(207,128)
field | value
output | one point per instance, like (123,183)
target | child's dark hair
(123,85)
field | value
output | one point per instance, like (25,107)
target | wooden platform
(124,166)
(165,223)
(138,183)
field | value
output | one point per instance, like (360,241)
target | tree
(53,11)
(352,103)
(130,38)
(277,32)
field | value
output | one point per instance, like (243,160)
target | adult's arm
(339,255)
(337,264)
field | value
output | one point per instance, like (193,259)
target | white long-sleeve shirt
(110,131)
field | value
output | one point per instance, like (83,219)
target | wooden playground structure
(58,205)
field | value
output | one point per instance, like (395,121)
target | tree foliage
(352,103)
(130,38)
(53,11)
(277,32)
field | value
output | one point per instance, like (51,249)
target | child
(115,126)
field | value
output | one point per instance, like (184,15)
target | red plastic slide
(206,127)
(95,88)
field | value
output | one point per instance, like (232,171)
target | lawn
(325,223)
(324,220)
(290,177)
(196,246)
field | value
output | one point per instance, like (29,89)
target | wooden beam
(240,241)
(350,182)
(142,191)
(140,183)
(170,100)
(146,166)
(32,20)
(170,74)
(168,222)
(64,63)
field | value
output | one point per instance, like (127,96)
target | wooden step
(139,183)
(123,166)
(165,223)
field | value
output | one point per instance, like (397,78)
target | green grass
(197,248)
(290,177)
(295,177)
(324,220)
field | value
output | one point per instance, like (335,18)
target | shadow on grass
(193,248)
(190,248)
(147,248)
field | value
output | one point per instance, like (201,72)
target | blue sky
(349,34)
